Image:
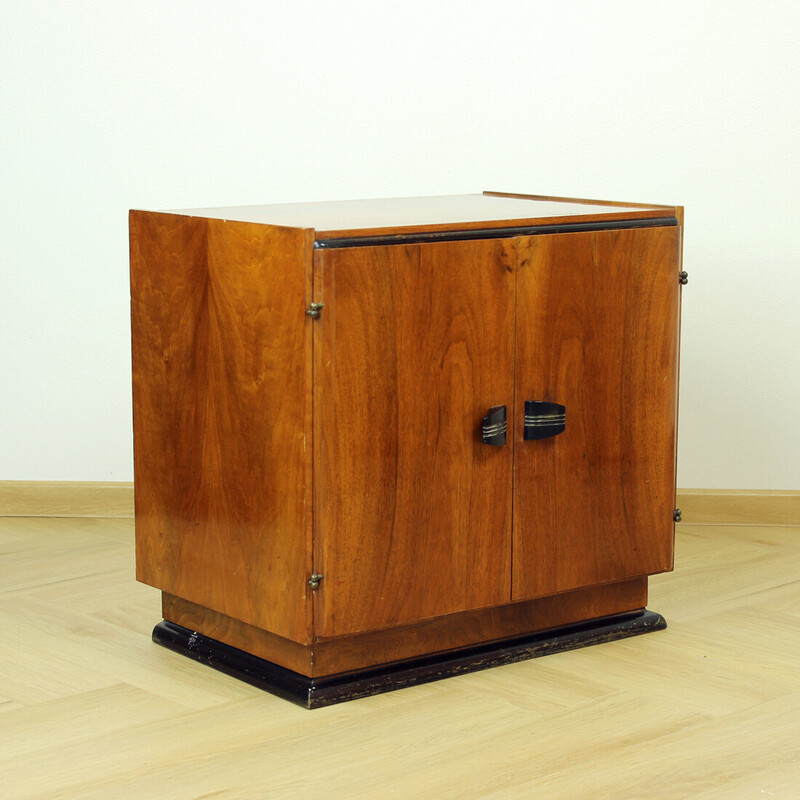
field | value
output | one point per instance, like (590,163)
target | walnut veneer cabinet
(380,442)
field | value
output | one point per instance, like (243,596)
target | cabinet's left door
(412,511)
(220,381)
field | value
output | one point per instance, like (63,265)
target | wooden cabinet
(313,487)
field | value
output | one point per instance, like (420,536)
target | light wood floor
(710,708)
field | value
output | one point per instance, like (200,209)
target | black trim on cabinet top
(494,233)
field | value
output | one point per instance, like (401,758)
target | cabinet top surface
(395,215)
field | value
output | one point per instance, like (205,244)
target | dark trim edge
(494,233)
(325,691)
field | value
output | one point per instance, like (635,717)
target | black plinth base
(325,691)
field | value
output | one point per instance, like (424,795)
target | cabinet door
(597,332)
(412,511)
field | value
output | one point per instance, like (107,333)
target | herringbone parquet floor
(710,708)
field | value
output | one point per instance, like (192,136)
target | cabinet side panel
(219,382)
(597,327)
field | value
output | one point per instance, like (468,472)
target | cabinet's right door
(597,332)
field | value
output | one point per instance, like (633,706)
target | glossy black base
(318,692)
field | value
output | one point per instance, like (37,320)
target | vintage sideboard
(381,442)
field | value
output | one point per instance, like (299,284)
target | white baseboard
(65,499)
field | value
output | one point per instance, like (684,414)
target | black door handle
(543,420)
(494,426)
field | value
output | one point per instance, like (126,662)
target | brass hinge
(314,581)
(683,278)
(677,515)
(314,310)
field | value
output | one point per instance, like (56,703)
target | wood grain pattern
(597,324)
(476,627)
(115,499)
(556,214)
(347,653)
(90,708)
(739,507)
(671,210)
(66,499)
(397,215)
(219,387)
(326,690)
(413,512)
(261,643)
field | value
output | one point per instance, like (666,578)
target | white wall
(108,106)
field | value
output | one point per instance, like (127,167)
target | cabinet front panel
(597,333)
(412,510)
